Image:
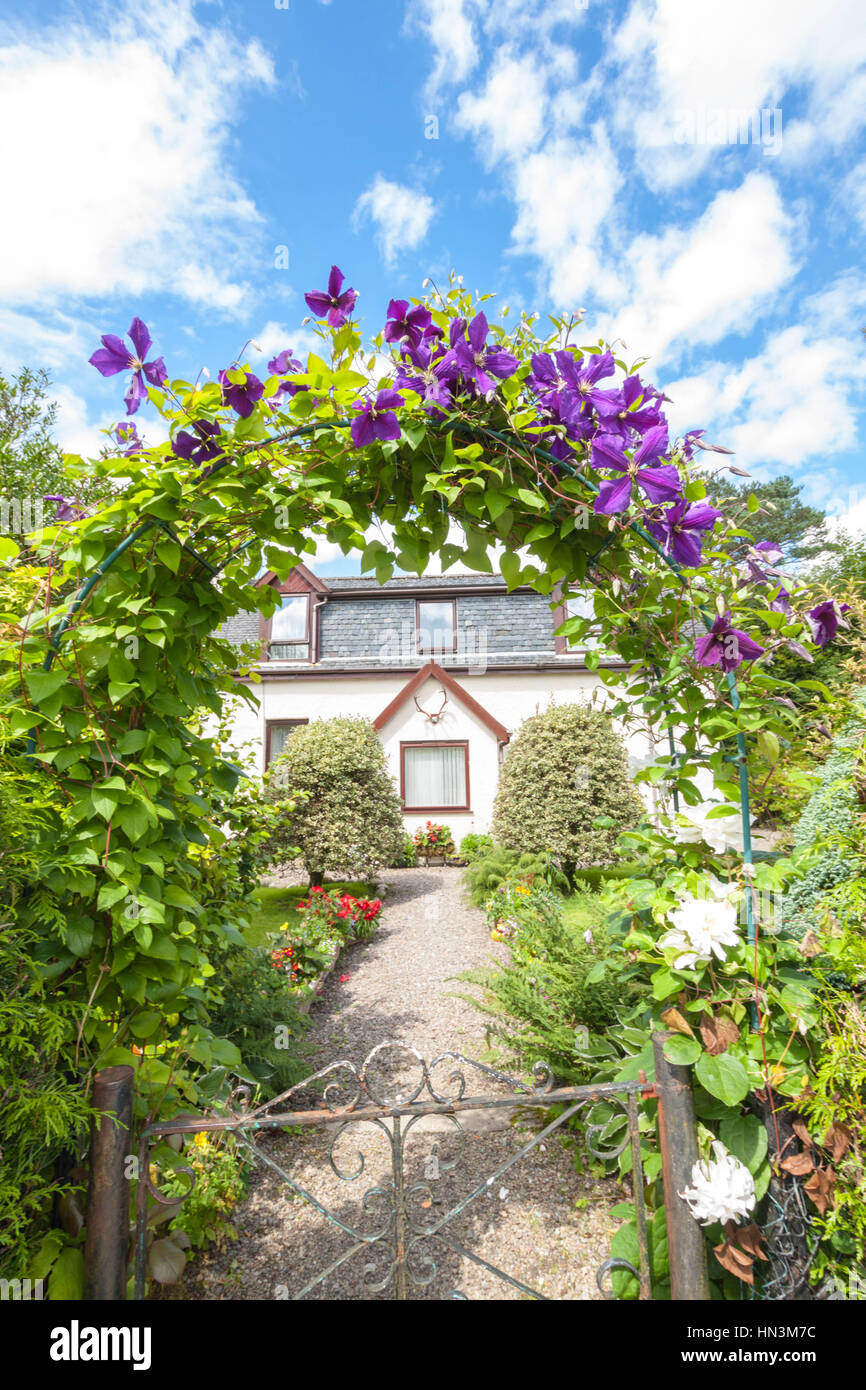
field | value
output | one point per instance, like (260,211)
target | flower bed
(329,922)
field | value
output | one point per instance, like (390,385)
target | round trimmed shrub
(348,816)
(564,788)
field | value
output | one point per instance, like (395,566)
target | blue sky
(609,155)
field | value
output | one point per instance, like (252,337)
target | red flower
(343,979)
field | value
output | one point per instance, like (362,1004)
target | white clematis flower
(723,1190)
(702,928)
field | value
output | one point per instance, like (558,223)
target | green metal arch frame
(477,433)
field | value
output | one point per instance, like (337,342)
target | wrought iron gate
(410,1090)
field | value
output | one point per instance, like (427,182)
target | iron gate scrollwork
(352,1096)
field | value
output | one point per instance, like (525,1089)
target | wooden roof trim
(453,687)
(310,580)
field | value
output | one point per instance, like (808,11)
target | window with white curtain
(435,776)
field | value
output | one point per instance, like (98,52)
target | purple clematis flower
(243,397)
(678,529)
(200,446)
(763,553)
(690,443)
(377,419)
(725,646)
(67,509)
(331,304)
(782,602)
(114,357)
(583,374)
(405,324)
(281,365)
(566,385)
(825,620)
(127,433)
(661,483)
(434,375)
(634,407)
(477,363)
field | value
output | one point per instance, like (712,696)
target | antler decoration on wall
(434,718)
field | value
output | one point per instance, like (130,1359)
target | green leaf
(145,1024)
(665,984)
(768,745)
(624,1246)
(746,1138)
(66,1284)
(724,1077)
(118,690)
(43,684)
(682,1051)
(111,893)
(596,974)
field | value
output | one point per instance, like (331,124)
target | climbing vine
(446,435)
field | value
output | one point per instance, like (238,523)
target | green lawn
(582,910)
(279,905)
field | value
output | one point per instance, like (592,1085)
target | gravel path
(544,1222)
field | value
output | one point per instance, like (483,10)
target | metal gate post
(679,1148)
(107,1229)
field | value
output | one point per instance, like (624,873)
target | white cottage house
(447,669)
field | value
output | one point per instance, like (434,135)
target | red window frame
(270,724)
(266,625)
(434,743)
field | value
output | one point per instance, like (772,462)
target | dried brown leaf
(802,1133)
(673,1019)
(735,1261)
(837,1139)
(749,1239)
(810,946)
(820,1188)
(799,1164)
(718,1032)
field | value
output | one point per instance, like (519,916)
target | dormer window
(436,626)
(290,629)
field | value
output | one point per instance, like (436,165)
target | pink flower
(343,979)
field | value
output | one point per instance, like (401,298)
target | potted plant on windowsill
(433,843)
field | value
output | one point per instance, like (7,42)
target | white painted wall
(508,697)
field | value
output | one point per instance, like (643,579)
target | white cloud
(402,215)
(449,26)
(275,337)
(565,194)
(696,285)
(52,340)
(792,406)
(669,57)
(507,117)
(130,189)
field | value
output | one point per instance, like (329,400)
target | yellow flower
(200,1140)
